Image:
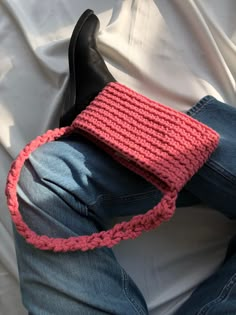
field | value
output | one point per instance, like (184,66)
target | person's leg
(215,184)
(216,295)
(70,188)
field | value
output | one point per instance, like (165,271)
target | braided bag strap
(162,145)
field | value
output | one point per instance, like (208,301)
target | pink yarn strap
(162,145)
(122,231)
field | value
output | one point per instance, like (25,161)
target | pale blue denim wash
(70,187)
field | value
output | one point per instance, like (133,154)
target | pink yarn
(162,145)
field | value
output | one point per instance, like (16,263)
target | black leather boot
(88,73)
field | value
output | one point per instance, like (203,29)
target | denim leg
(216,295)
(70,188)
(215,184)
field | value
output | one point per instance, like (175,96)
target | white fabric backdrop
(172,51)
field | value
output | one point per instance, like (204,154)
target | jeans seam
(217,168)
(126,198)
(220,298)
(132,301)
(199,106)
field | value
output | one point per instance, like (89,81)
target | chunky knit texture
(162,145)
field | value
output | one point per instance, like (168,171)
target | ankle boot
(88,73)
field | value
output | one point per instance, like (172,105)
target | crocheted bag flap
(161,144)
(164,146)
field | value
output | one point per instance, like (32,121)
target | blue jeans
(70,187)
(215,182)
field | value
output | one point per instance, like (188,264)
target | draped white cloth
(172,51)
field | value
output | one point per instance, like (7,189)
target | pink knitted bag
(162,145)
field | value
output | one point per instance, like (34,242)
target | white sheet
(172,51)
